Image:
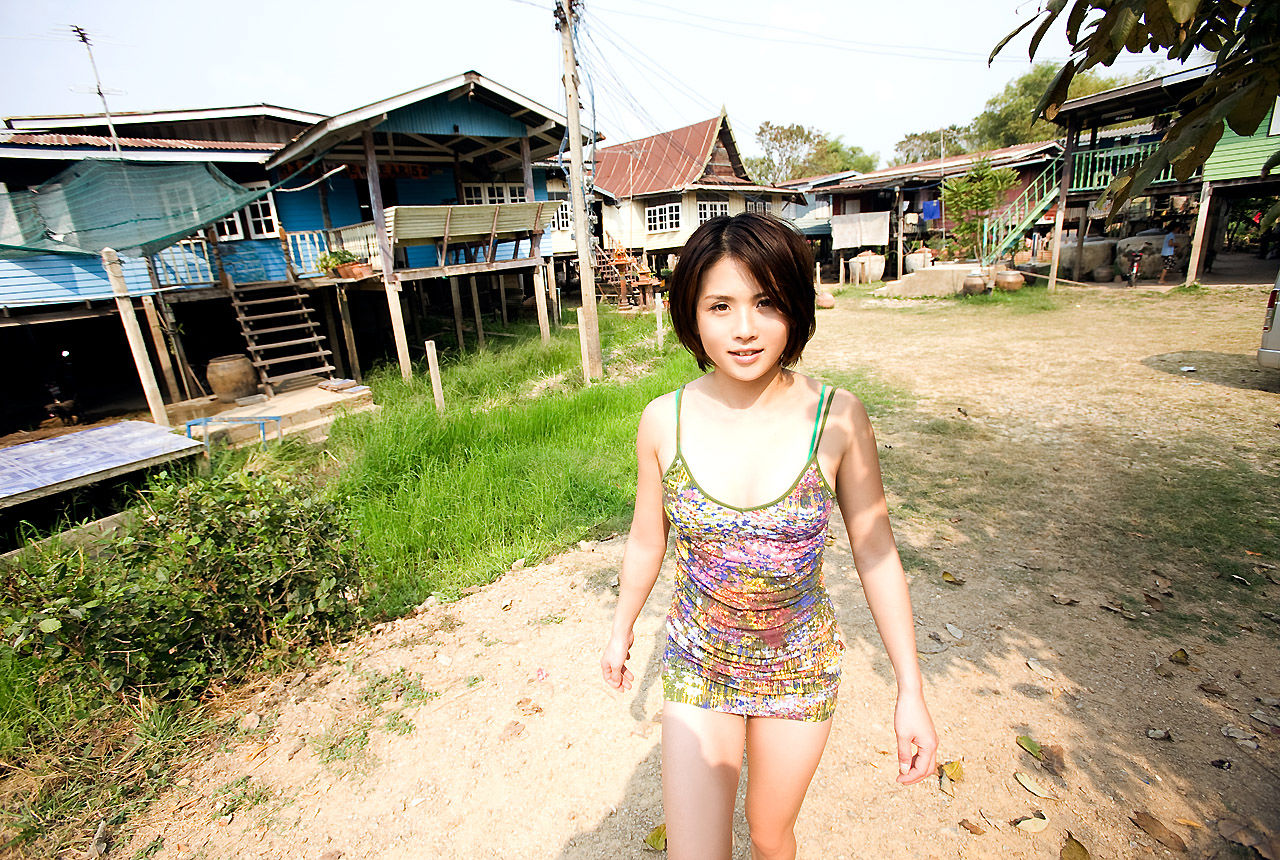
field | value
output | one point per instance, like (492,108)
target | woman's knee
(771,839)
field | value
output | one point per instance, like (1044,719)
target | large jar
(872,266)
(1009,280)
(974,283)
(232,377)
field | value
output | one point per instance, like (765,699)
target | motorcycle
(1134,259)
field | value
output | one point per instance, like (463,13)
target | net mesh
(135,207)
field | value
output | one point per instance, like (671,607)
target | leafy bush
(217,570)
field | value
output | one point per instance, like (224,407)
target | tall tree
(1009,117)
(928,145)
(972,197)
(793,151)
(833,155)
(1242,35)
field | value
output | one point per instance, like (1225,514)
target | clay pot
(872,266)
(826,300)
(1009,280)
(231,377)
(973,284)
(917,260)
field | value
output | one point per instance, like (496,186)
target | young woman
(747,462)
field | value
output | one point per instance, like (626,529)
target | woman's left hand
(914,728)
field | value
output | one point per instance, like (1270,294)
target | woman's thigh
(701,760)
(782,756)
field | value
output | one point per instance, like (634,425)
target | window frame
(249,220)
(663,217)
(232,219)
(705,208)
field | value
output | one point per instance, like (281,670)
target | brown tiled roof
(668,161)
(133,142)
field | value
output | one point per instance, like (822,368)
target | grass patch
(401,686)
(1028,300)
(397,724)
(877,396)
(345,745)
(240,794)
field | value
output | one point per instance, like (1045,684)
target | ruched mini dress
(751,628)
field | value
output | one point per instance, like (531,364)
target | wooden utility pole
(1064,188)
(594,368)
(133,333)
(390,282)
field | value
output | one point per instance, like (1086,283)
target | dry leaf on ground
(1156,829)
(975,829)
(1054,760)
(1039,668)
(1032,786)
(1073,850)
(1063,600)
(1180,657)
(657,838)
(1032,823)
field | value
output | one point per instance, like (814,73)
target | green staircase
(1002,231)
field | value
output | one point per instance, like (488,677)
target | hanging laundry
(931,210)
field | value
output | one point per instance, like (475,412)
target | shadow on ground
(1217,368)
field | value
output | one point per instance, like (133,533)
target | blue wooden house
(437,192)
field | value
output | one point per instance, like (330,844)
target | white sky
(869,71)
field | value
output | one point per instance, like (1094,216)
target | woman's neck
(746,394)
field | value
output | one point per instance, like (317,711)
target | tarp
(859,230)
(135,207)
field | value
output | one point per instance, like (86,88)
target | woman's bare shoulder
(658,420)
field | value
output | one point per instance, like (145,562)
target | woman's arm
(860,491)
(646,546)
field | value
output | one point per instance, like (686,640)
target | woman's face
(741,330)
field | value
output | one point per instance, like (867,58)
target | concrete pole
(594,367)
(132,331)
(1197,239)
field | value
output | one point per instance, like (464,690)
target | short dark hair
(773,253)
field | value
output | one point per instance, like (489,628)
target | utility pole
(83,35)
(594,368)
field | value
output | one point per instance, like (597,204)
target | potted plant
(332,261)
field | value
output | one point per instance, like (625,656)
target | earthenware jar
(974,284)
(1009,280)
(232,376)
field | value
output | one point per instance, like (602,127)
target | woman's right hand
(613,663)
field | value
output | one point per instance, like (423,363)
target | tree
(972,197)
(1242,35)
(927,145)
(1009,117)
(793,151)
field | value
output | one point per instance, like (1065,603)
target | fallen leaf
(1180,657)
(935,636)
(1032,823)
(1156,830)
(971,827)
(953,770)
(990,819)
(955,631)
(506,604)
(1188,823)
(1212,689)
(528,707)
(1030,746)
(512,730)
(1265,718)
(946,785)
(1039,668)
(1154,602)
(1239,833)
(1032,786)
(1073,850)
(1054,760)
(657,838)
(951,578)
(1062,600)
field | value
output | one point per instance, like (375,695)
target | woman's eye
(764,303)
(720,306)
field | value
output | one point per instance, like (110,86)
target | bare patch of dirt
(1056,461)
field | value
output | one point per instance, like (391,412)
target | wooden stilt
(1064,186)
(457,312)
(540,299)
(433,367)
(475,309)
(502,297)
(1197,238)
(348,332)
(133,332)
(162,351)
(331,331)
(389,281)
(1082,227)
(186,376)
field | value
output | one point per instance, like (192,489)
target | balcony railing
(184,263)
(305,248)
(1093,169)
(360,239)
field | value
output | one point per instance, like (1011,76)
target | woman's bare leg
(782,756)
(701,761)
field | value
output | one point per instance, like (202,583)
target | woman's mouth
(745,356)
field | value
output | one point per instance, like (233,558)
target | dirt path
(1034,456)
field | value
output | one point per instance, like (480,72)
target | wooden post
(389,281)
(186,376)
(331,330)
(540,299)
(840,269)
(553,295)
(1197,239)
(1081,229)
(657,315)
(502,297)
(348,332)
(475,309)
(162,351)
(433,367)
(132,331)
(582,345)
(902,263)
(581,226)
(457,312)
(817,273)
(1064,186)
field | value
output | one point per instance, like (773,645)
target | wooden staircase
(285,343)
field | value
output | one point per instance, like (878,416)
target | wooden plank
(348,333)
(502,297)
(388,261)
(162,350)
(331,330)
(1197,239)
(540,299)
(493,235)
(468,268)
(475,309)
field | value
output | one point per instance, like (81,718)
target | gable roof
(667,161)
(84,120)
(1009,156)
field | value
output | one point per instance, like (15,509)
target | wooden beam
(163,321)
(502,297)
(1064,186)
(388,261)
(457,312)
(348,332)
(1081,228)
(493,235)
(162,350)
(475,309)
(331,331)
(468,268)
(133,333)
(1197,239)
(526,168)
(540,300)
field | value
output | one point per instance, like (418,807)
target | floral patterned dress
(751,629)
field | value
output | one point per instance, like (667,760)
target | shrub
(217,570)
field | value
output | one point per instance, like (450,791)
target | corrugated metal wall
(441,116)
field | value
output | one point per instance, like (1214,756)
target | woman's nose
(744,324)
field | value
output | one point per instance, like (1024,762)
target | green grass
(877,396)
(1028,300)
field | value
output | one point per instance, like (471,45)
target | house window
(663,217)
(476,193)
(230,228)
(178,200)
(472,195)
(708,209)
(759,206)
(515,193)
(260,215)
(495,194)
(564,215)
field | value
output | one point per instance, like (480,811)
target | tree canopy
(972,197)
(1242,35)
(927,145)
(794,151)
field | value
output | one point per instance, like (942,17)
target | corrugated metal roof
(934,167)
(94,140)
(668,161)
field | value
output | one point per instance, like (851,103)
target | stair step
(262,285)
(315,338)
(254,318)
(315,371)
(291,297)
(292,327)
(284,359)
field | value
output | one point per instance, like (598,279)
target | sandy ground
(1004,468)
